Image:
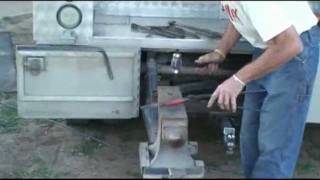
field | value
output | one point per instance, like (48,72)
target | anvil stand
(169,154)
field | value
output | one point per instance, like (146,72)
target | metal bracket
(69,35)
(229,139)
(229,134)
(176,62)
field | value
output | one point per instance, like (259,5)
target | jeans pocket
(303,85)
(303,92)
(302,57)
(306,39)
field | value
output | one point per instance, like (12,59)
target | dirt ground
(44,149)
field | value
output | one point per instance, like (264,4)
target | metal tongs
(178,101)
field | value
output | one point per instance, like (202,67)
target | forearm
(229,39)
(278,53)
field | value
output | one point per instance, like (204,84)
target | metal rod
(223,113)
(163,69)
(198,87)
(207,96)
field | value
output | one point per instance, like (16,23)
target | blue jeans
(270,140)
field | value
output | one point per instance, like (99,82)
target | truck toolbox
(76,82)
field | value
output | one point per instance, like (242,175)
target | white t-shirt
(260,21)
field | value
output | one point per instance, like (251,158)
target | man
(286,39)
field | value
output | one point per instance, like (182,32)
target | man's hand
(226,94)
(228,40)
(210,62)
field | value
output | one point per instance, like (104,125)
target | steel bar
(198,87)
(163,69)
(150,113)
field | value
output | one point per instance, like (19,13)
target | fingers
(207,69)
(225,100)
(209,58)
(213,98)
(203,70)
(221,101)
(203,59)
(234,103)
(226,95)
(206,60)
(212,68)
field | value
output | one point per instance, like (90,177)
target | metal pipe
(152,78)
(163,69)
(150,113)
(198,87)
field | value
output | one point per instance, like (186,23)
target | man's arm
(229,39)
(281,49)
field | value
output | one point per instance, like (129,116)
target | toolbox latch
(35,64)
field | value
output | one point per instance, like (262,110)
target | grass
(9,120)
(86,148)
(134,174)
(131,131)
(314,152)
(305,167)
(212,165)
(39,169)
(234,158)
(132,136)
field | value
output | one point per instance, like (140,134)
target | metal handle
(75,48)
(107,63)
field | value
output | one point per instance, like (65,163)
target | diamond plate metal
(172,9)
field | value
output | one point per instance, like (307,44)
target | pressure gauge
(69,16)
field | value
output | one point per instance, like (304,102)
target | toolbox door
(76,75)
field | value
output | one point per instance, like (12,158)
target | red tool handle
(173,102)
